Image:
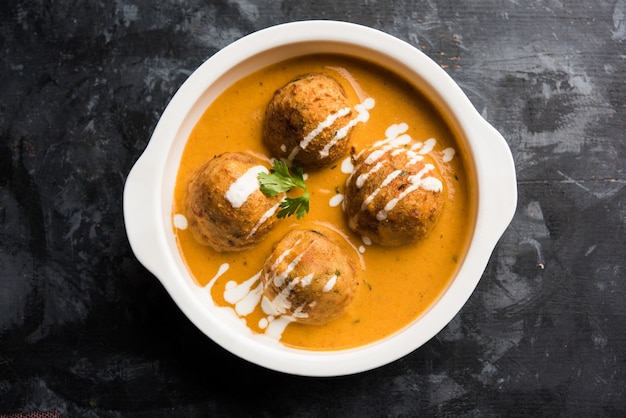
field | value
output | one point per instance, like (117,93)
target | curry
(396,284)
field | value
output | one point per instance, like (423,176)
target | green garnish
(280,180)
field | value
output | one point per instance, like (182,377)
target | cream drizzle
(362,116)
(346,166)
(268,214)
(428,146)
(323,125)
(393,140)
(243,296)
(279,277)
(360,181)
(330,284)
(429,183)
(241,189)
(180,221)
(223,268)
(281,301)
(276,326)
(335,201)
(448,154)
(390,177)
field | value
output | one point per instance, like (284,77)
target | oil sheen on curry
(389,195)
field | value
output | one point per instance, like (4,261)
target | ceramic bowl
(149,190)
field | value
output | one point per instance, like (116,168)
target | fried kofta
(394,196)
(224,206)
(307,122)
(311,276)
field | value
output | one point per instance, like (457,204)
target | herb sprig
(280,179)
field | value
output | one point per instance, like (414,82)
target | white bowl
(149,189)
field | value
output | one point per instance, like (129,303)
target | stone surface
(87,331)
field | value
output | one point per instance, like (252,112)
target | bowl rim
(147,204)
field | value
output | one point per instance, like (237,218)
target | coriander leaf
(298,205)
(299,177)
(280,180)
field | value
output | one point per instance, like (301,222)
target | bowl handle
(502,182)
(141,212)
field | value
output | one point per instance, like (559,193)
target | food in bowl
(311,276)
(226,308)
(223,205)
(415,196)
(307,121)
(394,195)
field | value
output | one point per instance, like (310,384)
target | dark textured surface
(86,331)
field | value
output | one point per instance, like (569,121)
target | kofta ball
(224,206)
(311,276)
(307,121)
(394,196)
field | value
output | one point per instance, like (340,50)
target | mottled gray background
(85,330)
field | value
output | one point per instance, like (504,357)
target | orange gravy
(397,284)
